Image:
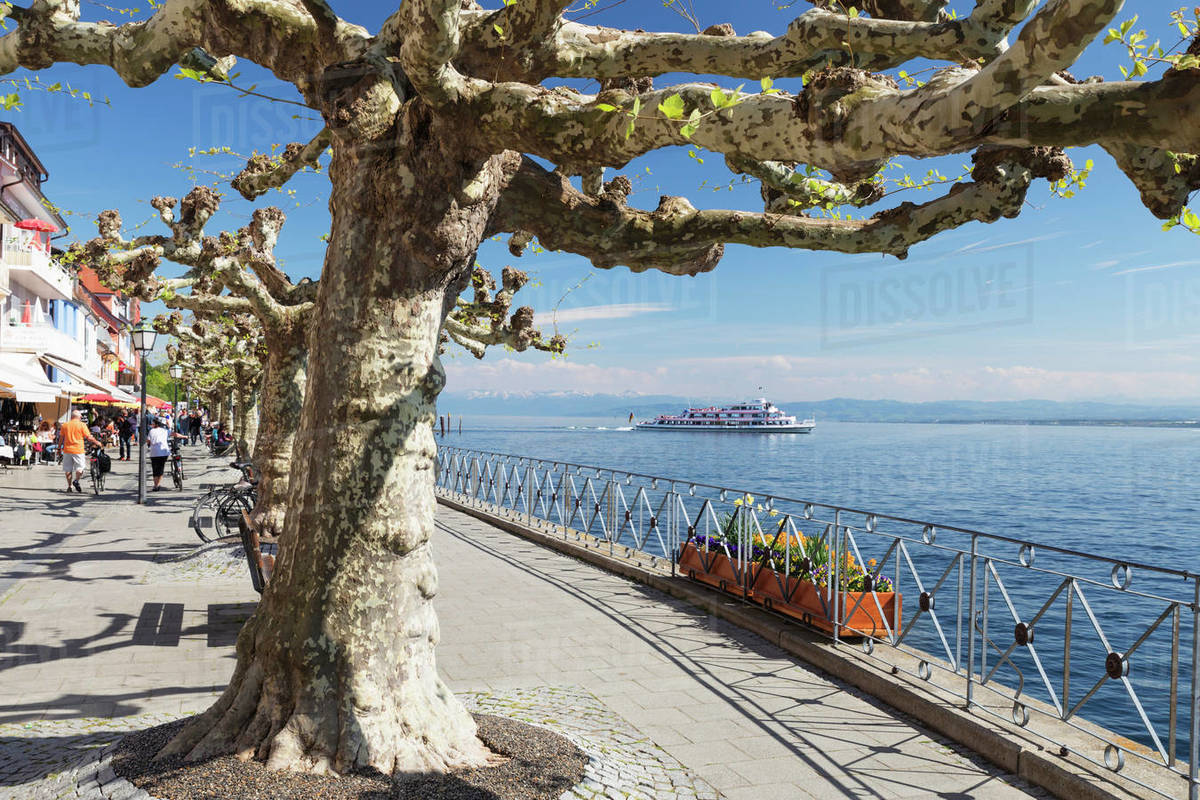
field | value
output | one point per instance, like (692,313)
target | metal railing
(1096,654)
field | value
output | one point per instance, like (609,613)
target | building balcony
(40,339)
(27,257)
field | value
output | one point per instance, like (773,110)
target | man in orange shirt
(73,435)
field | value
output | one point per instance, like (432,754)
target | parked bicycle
(217,511)
(99,464)
(176,464)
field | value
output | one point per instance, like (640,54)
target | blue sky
(1076,299)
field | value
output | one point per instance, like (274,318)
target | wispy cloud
(1018,243)
(1153,267)
(612,311)
(1106,264)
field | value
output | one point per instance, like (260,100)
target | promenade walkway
(112,619)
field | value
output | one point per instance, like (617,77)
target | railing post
(673,529)
(971,591)
(612,512)
(1194,763)
(835,577)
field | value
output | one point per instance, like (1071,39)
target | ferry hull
(726,428)
(745,417)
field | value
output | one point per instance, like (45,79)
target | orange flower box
(771,590)
(719,574)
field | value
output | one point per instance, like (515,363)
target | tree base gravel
(538,765)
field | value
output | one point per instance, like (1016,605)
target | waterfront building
(60,336)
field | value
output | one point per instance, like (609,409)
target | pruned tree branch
(484,320)
(429,35)
(786,191)
(679,239)
(895,32)
(263,173)
(292,38)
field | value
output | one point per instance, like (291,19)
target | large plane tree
(234,275)
(434,122)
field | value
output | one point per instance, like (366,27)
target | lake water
(1131,493)
(1122,492)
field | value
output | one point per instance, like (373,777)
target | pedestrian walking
(125,433)
(72,437)
(158,440)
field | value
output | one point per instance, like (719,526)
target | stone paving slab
(111,611)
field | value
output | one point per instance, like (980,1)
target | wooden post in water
(442,424)
(460,426)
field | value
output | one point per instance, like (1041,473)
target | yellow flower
(749,498)
(737,502)
(774,513)
(871,563)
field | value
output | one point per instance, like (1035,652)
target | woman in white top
(158,440)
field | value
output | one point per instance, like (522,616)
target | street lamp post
(176,371)
(143,342)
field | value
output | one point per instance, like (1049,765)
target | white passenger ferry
(760,416)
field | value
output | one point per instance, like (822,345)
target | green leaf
(1190,218)
(499,31)
(672,107)
(766,84)
(719,98)
(605,107)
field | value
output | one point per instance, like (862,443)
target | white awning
(90,382)
(22,378)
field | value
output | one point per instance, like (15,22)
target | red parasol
(36,225)
(39,227)
(27,314)
(103,400)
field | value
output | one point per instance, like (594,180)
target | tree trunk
(280,403)
(336,668)
(246,420)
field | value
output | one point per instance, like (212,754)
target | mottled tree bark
(336,669)
(224,411)
(280,401)
(245,399)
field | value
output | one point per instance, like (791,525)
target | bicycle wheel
(97,479)
(177,475)
(204,515)
(230,511)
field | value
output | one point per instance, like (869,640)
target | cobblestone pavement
(114,618)
(623,761)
